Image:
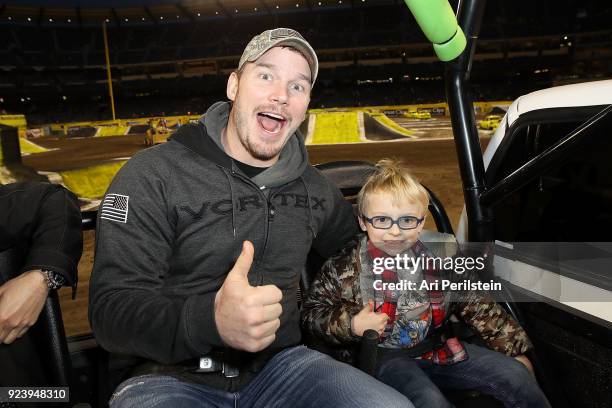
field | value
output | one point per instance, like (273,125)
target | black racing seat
(349,176)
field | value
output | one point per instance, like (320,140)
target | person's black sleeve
(45,219)
(130,311)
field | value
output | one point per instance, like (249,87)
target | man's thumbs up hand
(247,317)
(240,272)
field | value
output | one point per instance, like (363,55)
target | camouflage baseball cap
(278,37)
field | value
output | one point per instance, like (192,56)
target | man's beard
(257,152)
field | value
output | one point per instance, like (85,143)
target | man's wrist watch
(53,279)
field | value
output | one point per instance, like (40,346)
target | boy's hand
(368,319)
(525,361)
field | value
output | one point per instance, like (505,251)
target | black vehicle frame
(573,354)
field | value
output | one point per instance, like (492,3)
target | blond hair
(392,177)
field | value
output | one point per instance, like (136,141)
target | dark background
(174,57)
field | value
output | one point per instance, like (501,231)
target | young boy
(385,280)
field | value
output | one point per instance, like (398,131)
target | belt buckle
(208,365)
(230,371)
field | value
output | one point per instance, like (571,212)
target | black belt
(229,362)
(213,363)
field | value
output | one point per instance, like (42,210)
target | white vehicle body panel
(549,284)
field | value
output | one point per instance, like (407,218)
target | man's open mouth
(271,122)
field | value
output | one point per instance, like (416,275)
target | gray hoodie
(172,224)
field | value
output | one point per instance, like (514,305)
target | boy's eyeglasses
(406,222)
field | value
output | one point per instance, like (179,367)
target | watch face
(59,278)
(56,280)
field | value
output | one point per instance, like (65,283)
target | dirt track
(433,161)
(78,153)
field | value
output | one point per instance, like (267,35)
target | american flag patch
(115,208)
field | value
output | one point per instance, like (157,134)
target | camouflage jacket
(336,296)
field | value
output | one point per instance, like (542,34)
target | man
(200,243)
(41,239)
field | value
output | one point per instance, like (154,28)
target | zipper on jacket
(269,212)
(273,195)
(272,209)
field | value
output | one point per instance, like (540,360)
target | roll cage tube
(440,26)
(428,14)
(467,142)
(436,19)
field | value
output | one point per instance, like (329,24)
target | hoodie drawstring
(229,180)
(310,219)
